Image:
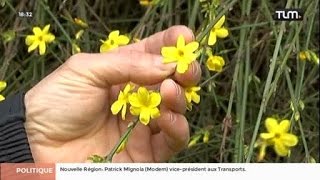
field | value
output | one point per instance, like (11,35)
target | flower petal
(262,151)
(212,38)
(155,99)
(193,46)
(144,117)
(188,96)
(114,34)
(116,107)
(266,136)
(135,110)
(33,46)
(2,98)
(46,29)
(182,67)
(124,110)
(134,100)
(155,113)
(169,53)
(143,95)
(42,47)
(30,39)
(284,126)
(213,64)
(105,47)
(188,58)
(280,148)
(180,42)
(123,40)
(195,97)
(289,139)
(3,85)
(128,88)
(222,32)
(271,125)
(219,59)
(37,31)
(220,22)
(49,38)
(196,88)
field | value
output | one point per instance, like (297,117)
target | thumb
(116,67)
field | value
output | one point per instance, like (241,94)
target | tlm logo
(288,15)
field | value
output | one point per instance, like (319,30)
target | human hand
(68,114)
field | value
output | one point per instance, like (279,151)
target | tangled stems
(123,138)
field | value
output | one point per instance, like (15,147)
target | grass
(262,75)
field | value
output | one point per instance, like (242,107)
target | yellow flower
(40,38)
(144,103)
(206,136)
(113,41)
(309,55)
(3,85)
(75,48)
(215,63)
(145,2)
(80,23)
(121,103)
(194,140)
(191,95)
(79,34)
(148,2)
(218,31)
(314,57)
(278,136)
(182,54)
(304,55)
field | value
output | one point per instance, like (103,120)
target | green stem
(237,85)
(244,103)
(293,98)
(267,87)
(212,23)
(194,13)
(46,8)
(122,139)
(305,145)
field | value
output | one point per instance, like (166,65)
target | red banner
(26,171)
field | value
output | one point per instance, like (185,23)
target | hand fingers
(113,68)
(173,98)
(174,128)
(173,137)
